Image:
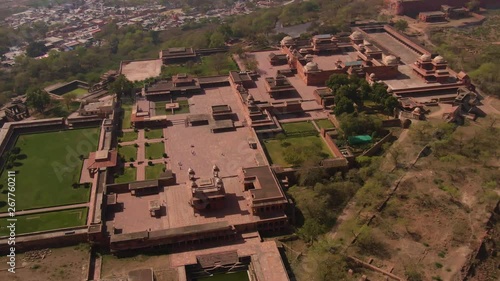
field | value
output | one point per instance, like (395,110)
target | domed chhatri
(311,66)
(356,35)
(391,60)
(439,59)
(287,40)
(425,57)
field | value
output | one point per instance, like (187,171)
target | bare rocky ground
(70,263)
(114,268)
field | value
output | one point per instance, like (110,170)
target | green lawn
(324,124)
(183,107)
(209,65)
(128,151)
(160,107)
(152,172)
(129,175)
(50,166)
(155,150)
(234,276)
(46,221)
(154,134)
(128,136)
(127,113)
(298,127)
(58,109)
(79,92)
(275,150)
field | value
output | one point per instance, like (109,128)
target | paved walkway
(44,210)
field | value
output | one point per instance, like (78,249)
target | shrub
(285,144)
(146,144)
(438,265)
(119,146)
(131,165)
(132,159)
(280,136)
(164,155)
(136,130)
(150,163)
(136,145)
(16,150)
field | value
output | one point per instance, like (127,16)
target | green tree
(390,104)
(36,49)
(473,5)
(37,99)
(336,81)
(401,25)
(68,99)
(122,86)
(216,40)
(343,105)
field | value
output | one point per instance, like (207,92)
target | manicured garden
(154,171)
(154,133)
(128,136)
(155,150)
(47,221)
(298,127)
(48,165)
(324,124)
(127,114)
(285,152)
(128,152)
(183,107)
(128,174)
(232,276)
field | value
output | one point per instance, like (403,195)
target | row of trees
(350,90)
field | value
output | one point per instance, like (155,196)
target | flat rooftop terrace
(176,211)
(391,44)
(407,79)
(197,148)
(259,92)
(327,62)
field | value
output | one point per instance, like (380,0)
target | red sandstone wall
(413,8)
(383,72)
(331,144)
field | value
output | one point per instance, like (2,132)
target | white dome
(439,59)
(417,110)
(356,35)
(425,57)
(390,60)
(311,66)
(287,40)
(372,76)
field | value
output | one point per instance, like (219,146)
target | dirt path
(488,105)
(439,113)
